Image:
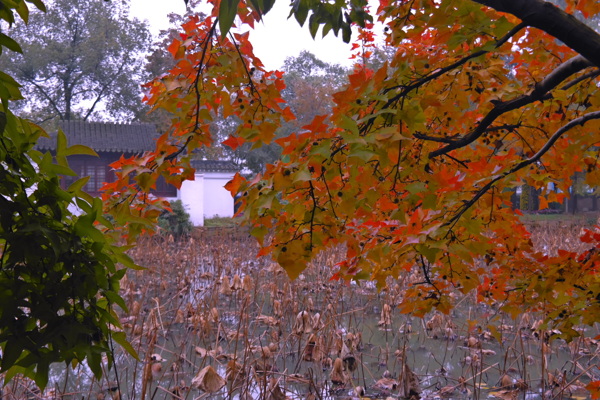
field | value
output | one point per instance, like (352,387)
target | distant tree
(81,60)
(309,84)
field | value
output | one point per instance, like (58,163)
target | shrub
(176,222)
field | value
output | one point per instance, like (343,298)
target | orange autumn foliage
(414,168)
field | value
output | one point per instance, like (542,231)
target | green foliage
(335,17)
(227,15)
(177,221)
(60,271)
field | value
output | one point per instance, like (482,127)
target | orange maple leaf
(233,141)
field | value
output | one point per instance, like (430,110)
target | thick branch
(104,90)
(554,21)
(540,92)
(45,94)
(589,75)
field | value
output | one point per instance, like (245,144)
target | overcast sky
(273,40)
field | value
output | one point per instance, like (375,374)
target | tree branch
(441,71)
(104,90)
(535,158)
(416,84)
(539,93)
(44,94)
(554,21)
(589,75)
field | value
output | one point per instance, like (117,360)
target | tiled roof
(121,138)
(214,166)
(105,136)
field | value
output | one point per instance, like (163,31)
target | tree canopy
(79,60)
(413,168)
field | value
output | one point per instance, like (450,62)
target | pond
(209,320)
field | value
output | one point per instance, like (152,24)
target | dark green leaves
(227,13)
(60,274)
(300,11)
(9,88)
(313,25)
(331,16)
(39,4)
(11,351)
(262,6)
(121,339)
(8,42)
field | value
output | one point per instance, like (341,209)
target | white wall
(191,195)
(206,197)
(217,199)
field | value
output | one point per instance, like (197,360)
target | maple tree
(413,168)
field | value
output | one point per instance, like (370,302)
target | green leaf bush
(177,221)
(60,272)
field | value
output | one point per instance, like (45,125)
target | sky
(274,40)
